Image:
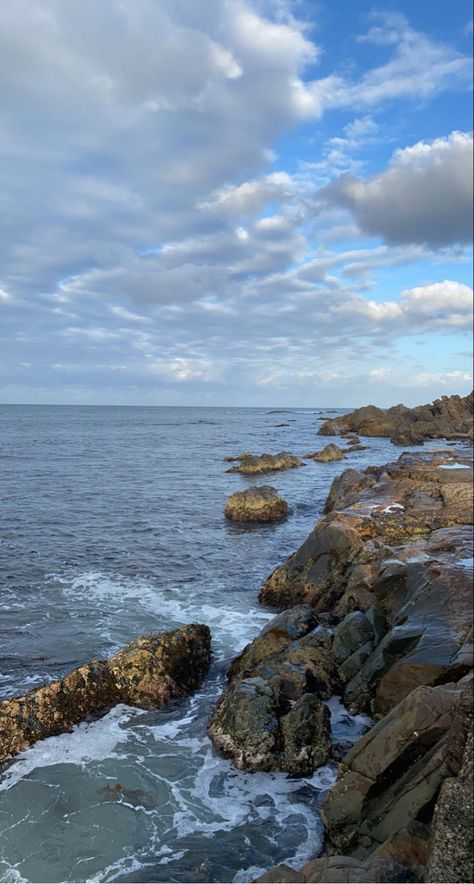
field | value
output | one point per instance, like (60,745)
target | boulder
(329,453)
(448,417)
(331,869)
(252,465)
(271,717)
(351,634)
(149,672)
(451,848)
(262,504)
(393,774)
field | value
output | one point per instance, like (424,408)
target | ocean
(112,525)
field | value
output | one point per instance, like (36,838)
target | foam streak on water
(112,525)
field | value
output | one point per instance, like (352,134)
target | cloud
(424,196)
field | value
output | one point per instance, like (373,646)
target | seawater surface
(112,525)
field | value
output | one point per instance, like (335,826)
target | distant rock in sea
(262,504)
(253,465)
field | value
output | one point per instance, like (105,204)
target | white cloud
(424,196)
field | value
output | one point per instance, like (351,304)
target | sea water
(112,525)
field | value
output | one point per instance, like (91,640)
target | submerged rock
(149,672)
(252,465)
(262,504)
(449,417)
(329,453)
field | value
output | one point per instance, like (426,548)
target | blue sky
(249,202)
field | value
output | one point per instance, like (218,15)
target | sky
(235,202)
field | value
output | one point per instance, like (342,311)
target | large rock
(393,774)
(262,504)
(327,454)
(334,869)
(149,672)
(391,546)
(451,849)
(448,417)
(271,717)
(253,465)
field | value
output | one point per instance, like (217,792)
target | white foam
(454,466)
(230,627)
(467,563)
(89,741)
(393,508)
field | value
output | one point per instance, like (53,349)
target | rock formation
(262,504)
(272,716)
(252,465)
(450,417)
(329,452)
(148,673)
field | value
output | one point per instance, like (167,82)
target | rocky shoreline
(378,610)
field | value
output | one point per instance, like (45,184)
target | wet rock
(262,504)
(351,634)
(274,638)
(408,848)
(448,417)
(277,721)
(329,870)
(281,874)
(350,438)
(352,448)
(345,489)
(451,849)
(329,453)
(245,724)
(252,465)
(393,774)
(306,733)
(149,672)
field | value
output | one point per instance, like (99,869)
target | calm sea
(112,525)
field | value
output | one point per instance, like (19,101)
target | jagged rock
(333,869)
(271,716)
(245,724)
(448,417)
(451,848)
(345,489)
(406,438)
(243,456)
(351,634)
(329,453)
(306,734)
(394,772)
(252,465)
(262,504)
(149,672)
(408,847)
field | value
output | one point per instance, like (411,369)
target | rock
(448,417)
(273,639)
(149,672)
(251,465)
(349,635)
(350,438)
(451,848)
(277,721)
(408,847)
(262,504)
(394,772)
(306,733)
(351,448)
(327,870)
(243,456)
(329,453)
(406,438)
(281,874)
(244,725)
(345,489)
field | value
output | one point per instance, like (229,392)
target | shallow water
(112,525)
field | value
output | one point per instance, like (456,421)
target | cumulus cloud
(424,196)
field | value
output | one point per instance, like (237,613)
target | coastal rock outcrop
(272,715)
(329,453)
(262,504)
(149,672)
(255,465)
(450,417)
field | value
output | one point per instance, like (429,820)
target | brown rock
(251,465)
(329,453)
(262,504)
(149,672)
